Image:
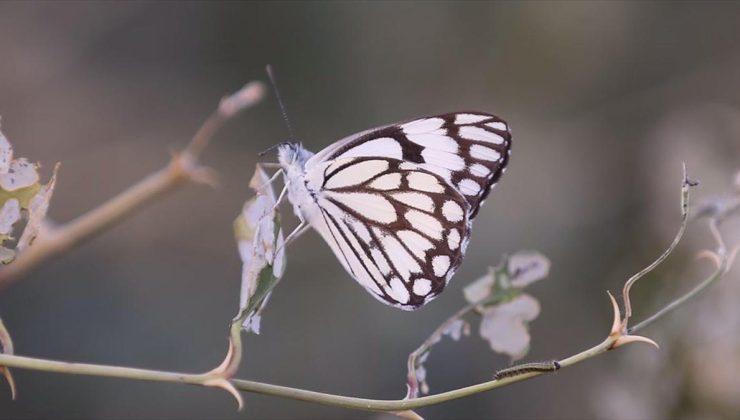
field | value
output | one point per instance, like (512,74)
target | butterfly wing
(469,150)
(396,202)
(399,229)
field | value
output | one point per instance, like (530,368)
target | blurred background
(605,101)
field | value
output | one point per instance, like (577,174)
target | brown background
(605,101)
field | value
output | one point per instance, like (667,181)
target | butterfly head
(292,156)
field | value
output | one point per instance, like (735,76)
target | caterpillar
(549,366)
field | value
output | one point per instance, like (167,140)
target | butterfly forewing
(469,150)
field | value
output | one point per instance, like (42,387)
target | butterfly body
(395,204)
(292,158)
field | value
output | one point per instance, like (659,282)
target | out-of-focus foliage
(696,367)
(505,312)
(505,326)
(605,101)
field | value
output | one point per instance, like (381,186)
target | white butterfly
(395,203)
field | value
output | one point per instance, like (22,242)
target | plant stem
(723,264)
(411,404)
(685,195)
(182,167)
(205,379)
(20,362)
(89,224)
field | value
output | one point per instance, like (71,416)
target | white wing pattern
(396,203)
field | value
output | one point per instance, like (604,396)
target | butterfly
(395,203)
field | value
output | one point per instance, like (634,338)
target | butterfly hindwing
(401,230)
(469,150)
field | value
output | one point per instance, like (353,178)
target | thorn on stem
(617,323)
(11,382)
(620,332)
(6,347)
(228,387)
(626,339)
(221,375)
(710,255)
(408,414)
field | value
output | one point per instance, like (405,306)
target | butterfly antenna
(283,111)
(274,146)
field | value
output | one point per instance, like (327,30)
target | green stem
(685,195)
(723,263)
(20,362)
(400,405)
(181,168)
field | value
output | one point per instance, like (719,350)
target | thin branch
(87,369)
(720,211)
(445,328)
(411,364)
(221,376)
(182,167)
(20,362)
(723,260)
(685,195)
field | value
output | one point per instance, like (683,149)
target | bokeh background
(606,99)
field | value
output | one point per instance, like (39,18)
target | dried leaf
(480,288)
(6,154)
(7,255)
(417,379)
(527,267)
(20,190)
(18,178)
(505,326)
(21,174)
(456,329)
(258,235)
(37,209)
(9,215)
(517,271)
(505,312)
(719,207)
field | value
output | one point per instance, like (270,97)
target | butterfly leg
(298,231)
(280,198)
(271,180)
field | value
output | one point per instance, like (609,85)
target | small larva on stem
(549,366)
